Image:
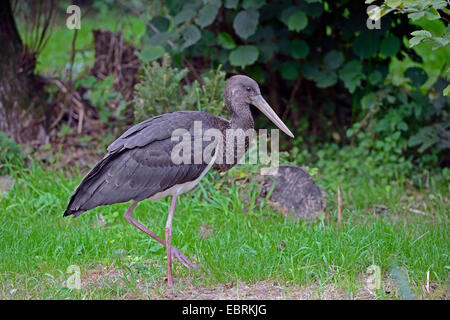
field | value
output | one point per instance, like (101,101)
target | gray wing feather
(153,129)
(138,165)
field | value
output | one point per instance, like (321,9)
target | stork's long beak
(259,102)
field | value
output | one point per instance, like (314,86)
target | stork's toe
(177,254)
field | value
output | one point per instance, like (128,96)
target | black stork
(139,164)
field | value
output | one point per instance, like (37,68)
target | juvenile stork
(139,165)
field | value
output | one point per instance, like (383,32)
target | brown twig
(74,98)
(72,60)
(416,211)
(192,69)
(326,216)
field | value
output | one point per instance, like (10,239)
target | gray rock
(295,192)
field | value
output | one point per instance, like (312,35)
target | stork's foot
(176,254)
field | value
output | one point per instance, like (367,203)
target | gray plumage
(138,164)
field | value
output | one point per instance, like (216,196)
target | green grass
(38,244)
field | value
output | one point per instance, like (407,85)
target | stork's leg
(175,252)
(168,233)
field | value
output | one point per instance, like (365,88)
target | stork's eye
(249,89)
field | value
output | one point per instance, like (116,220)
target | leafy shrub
(10,152)
(209,92)
(428,9)
(101,95)
(322,41)
(416,122)
(159,90)
(367,164)
(162,89)
(323,67)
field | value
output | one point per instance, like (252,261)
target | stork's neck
(241,116)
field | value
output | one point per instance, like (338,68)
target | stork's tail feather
(75,213)
(67,213)
(78,202)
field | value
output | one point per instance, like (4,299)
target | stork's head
(242,91)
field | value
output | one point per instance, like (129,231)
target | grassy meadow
(236,241)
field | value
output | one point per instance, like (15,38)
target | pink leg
(176,253)
(168,233)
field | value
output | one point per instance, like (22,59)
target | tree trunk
(21,98)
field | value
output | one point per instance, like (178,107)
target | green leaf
(432,14)
(390,46)
(231,4)
(208,38)
(286,13)
(441,42)
(416,15)
(427,137)
(365,45)
(262,34)
(333,59)
(439,4)
(447,91)
(415,41)
(191,35)
(150,53)
(393,3)
(299,49)
(223,56)
(246,22)
(351,74)
(314,10)
(184,16)
(289,70)
(253,4)
(325,78)
(160,23)
(266,51)
(217,3)
(297,21)
(243,56)
(226,40)
(369,101)
(255,72)
(375,77)
(310,70)
(417,75)
(421,33)
(159,38)
(207,15)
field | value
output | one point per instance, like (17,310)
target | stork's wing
(139,163)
